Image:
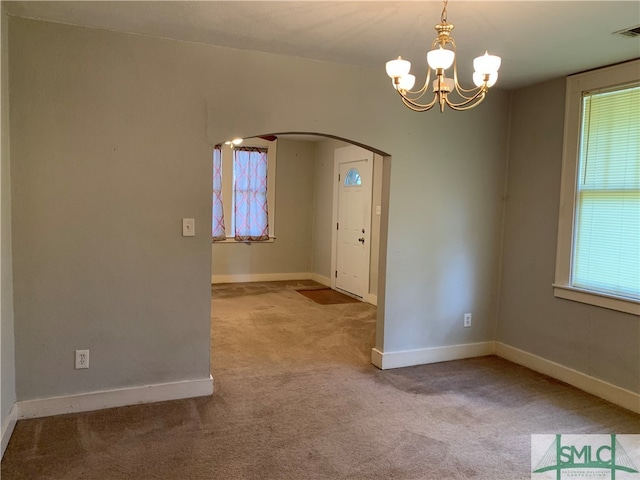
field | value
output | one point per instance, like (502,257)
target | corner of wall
(8,408)
(8,424)
(505,196)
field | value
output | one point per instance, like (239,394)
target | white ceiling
(537,40)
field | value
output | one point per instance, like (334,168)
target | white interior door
(353,220)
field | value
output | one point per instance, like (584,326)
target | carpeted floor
(296,398)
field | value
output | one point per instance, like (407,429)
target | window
(598,258)
(244,192)
(352,178)
(606,250)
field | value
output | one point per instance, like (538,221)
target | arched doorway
(302,156)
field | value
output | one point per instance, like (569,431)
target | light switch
(188,227)
(378,209)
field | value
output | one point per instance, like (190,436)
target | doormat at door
(326,296)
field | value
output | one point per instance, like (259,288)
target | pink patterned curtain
(250,171)
(217,227)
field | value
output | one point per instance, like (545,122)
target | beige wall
(7,352)
(376,200)
(291,250)
(592,340)
(111,138)
(109,153)
(323,206)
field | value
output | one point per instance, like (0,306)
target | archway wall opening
(300,214)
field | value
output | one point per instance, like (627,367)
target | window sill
(598,299)
(234,241)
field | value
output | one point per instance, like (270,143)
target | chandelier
(439,59)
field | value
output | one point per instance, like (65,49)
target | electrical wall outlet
(467,320)
(82,359)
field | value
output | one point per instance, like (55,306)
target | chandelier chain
(443,17)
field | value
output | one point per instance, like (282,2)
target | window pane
(250,194)
(217,226)
(607,247)
(352,178)
(610,145)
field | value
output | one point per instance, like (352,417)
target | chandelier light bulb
(440,58)
(487,63)
(478,79)
(398,67)
(406,82)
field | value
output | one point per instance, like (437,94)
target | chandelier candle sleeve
(446,91)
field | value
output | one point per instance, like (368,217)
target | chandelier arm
(461,91)
(417,94)
(414,108)
(464,93)
(438,43)
(468,104)
(417,107)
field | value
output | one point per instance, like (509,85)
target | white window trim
(576,85)
(227,188)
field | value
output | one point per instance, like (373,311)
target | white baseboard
(260,277)
(326,281)
(372,299)
(423,356)
(624,398)
(84,402)
(8,424)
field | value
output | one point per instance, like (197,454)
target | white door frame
(341,156)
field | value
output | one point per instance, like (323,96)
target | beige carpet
(296,398)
